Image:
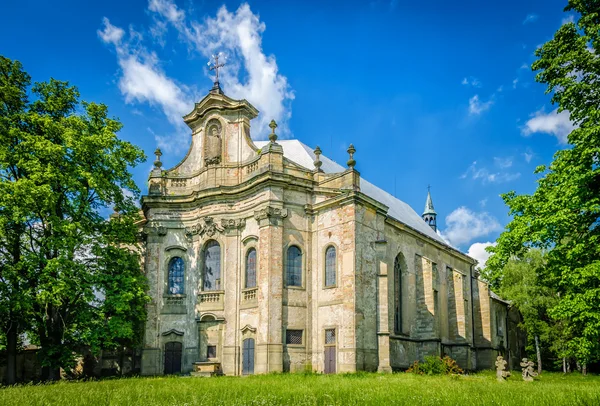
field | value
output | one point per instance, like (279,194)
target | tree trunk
(538,353)
(564,365)
(121,360)
(12,336)
(584,369)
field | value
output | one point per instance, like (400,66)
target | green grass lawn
(363,389)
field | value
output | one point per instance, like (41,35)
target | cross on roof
(216,66)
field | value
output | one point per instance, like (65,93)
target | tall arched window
(398,293)
(175,278)
(330,265)
(212,266)
(251,268)
(294,266)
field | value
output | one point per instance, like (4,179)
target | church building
(269,257)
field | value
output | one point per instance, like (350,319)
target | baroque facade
(268,257)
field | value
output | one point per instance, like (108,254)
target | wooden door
(248,356)
(330,360)
(172,358)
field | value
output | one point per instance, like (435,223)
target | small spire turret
(351,162)
(429,214)
(318,162)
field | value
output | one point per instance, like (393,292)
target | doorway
(330,351)
(248,356)
(172,358)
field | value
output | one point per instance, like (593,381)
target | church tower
(429,215)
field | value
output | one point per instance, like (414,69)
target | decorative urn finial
(273,136)
(318,162)
(351,162)
(158,163)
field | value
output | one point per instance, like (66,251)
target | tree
(523,285)
(563,215)
(77,274)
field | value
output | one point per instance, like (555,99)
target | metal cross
(216,66)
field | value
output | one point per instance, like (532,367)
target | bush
(433,365)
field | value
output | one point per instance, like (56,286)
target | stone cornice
(270,212)
(425,238)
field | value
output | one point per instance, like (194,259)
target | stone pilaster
(269,345)
(383,329)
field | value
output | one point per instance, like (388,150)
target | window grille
(294,266)
(293,337)
(211,351)
(212,266)
(330,336)
(330,259)
(175,279)
(251,268)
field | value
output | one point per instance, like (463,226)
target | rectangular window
(211,351)
(293,337)
(330,336)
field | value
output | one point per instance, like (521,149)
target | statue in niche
(213,143)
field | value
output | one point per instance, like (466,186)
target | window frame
(286,267)
(248,251)
(301,337)
(168,276)
(335,267)
(203,256)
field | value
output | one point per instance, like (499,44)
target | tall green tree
(522,283)
(77,278)
(563,215)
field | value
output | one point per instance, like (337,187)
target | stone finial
(351,162)
(273,126)
(528,373)
(318,162)
(158,163)
(501,374)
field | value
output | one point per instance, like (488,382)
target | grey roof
(303,155)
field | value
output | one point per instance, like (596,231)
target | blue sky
(437,92)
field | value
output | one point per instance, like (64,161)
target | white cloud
(554,123)
(514,83)
(249,73)
(478,252)
(568,19)
(477,107)
(464,225)
(471,81)
(503,163)
(524,66)
(528,155)
(143,81)
(486,176)
(530,18)
(483,202)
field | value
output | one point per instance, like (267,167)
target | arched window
(251,268)
(398,293)
(294,266)
(175,277)
(212,266)
(330,265)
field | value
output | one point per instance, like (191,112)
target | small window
(293,337)
(294,266)
(175,270)
(330,336)
(330,265)
(211,351)
(212,266)
(251,268)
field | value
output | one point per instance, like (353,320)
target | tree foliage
(562,216)
(68,276)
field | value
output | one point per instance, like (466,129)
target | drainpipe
(473,315)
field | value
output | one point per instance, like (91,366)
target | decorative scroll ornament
(210,227)
(155,228)
(270,212)
(233,224)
